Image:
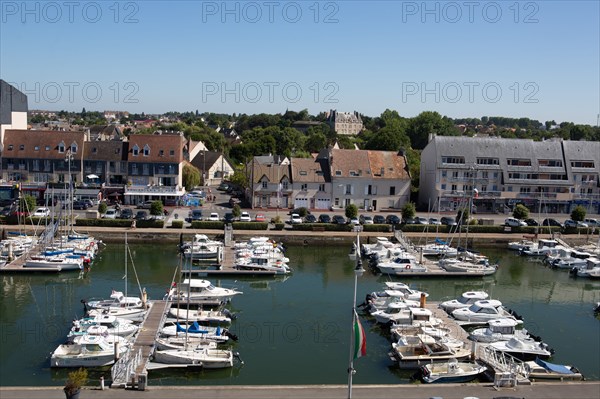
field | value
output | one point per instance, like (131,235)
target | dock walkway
(131,369)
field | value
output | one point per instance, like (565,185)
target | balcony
(153,190)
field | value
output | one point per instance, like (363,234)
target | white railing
(504,362)
(125,367)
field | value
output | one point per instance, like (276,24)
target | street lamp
(358,271)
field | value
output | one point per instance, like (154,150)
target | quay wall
(290,237)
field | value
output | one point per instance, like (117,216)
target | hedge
(177,224)
(384,228)
(207,225)
(250,225)
(120,223)
(326,226)
(279,226)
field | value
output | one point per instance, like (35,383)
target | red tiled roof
(43,144)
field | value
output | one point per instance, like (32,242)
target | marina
(298,315)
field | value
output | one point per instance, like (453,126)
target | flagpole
(358,271)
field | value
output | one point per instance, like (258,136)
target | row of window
(537,176)
(348,188)
(61,147)
(582,164)
(484,189)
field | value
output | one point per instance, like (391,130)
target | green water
(293,330)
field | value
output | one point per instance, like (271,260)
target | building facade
(13,109)
(348,123)
(551,176)
(371,180)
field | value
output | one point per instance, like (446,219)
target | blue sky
(538,59)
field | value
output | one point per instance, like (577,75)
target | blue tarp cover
(438,241)
(557,368)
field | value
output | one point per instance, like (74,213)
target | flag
(360,340)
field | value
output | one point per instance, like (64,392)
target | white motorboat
(568,259)
(408,293)
(452,371)
(201,239)
(412,352)
(591,268)
(404,263)
(542,248)
(133,314)
(113,325)
(417,317)
(395,312)
(90,351)
(523,349)
(541,370)
(201,316)
(483,311)
(198,290)
(464,301)
(520,245)
(481,266)
(499,330)
(262,263)
(203,252)
(117,300)
(208,358)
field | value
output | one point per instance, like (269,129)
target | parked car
(6,211)
(409,221)
(531,222)
(223,187)
(434,221)
(365,219)
(324,218)
(353,221)
(214,217)
(295,219)
(572,223)
(141,215)
(552,222)
(80,205)
(89,202)
(392,219)
(245,217)
(260,218)
(512,222)
(41,212)
(195,215)
(338,219)
(310,219)
(145,204)
(448,221)
(229,218)
(592,222)
(378,219)
(111,213)
(297,211)
(126,213)
(421,220)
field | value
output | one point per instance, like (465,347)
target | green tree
(462,216)
(102,207)
(426,123)
(236,211)
(190,177)
(156,208)
(239,177)
(520,212)
(315,141)
(302,212)
(27,203)
(351,211)
(409,211)
(578,214)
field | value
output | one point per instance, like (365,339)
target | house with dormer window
(270,182)
(155,168)
(311,183)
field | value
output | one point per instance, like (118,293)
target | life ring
(305,242)
(407,267)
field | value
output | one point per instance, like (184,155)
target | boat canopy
(557,368)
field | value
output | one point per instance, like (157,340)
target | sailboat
(119,304)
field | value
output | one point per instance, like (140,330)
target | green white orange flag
(360,339)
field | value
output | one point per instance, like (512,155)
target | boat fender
(305,242)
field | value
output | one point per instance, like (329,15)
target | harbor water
(293,329)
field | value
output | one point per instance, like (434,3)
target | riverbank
(561,390)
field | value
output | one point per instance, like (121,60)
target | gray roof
(11,100)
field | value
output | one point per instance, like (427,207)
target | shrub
(102,208)
(75,381)
(250,225)
(578,213)
(520,212)
(279,226)
(408,211)
(351,211)
(208,225)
